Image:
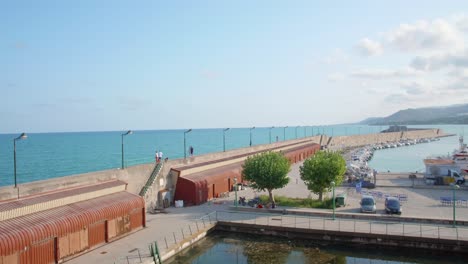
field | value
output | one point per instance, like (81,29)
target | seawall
(136,176)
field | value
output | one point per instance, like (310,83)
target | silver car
(368,204)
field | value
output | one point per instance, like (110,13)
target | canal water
(230,248)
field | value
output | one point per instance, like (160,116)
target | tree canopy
(320,170)
(267,171)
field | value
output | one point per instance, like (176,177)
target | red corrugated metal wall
(43,251)
(52,235)
(97,233)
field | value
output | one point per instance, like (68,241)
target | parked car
(392,205)
(368,204)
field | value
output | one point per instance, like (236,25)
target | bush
(299,202)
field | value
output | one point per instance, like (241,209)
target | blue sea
(48,155)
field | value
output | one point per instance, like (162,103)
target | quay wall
(357,239)
(136,176)
(361,140)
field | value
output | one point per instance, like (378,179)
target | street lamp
(284,133)
(185,149)
(22,136)
(124,134)
(252,128)
(333,188)
(455,186)
(235,191)
(270,132)
(224,139)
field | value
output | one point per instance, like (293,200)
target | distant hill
(454,114)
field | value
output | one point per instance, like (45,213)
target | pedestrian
(160,155)
(157,156)
(191,151)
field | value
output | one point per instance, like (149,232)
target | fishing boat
(460,156)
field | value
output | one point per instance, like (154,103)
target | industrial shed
(53,235)
(205,184)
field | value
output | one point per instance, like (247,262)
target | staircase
(152,178)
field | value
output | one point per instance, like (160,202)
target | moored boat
(460,156)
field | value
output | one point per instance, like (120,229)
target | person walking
(157,156)
(160,155)
(191,151)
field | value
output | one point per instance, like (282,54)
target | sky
(147,65)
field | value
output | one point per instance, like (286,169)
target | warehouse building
(55,226)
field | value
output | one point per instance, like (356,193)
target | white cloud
(440,61)
(378,74)
(367,47)
(426,35)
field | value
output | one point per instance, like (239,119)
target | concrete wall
(135,176)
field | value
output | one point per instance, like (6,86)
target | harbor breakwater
(136,176)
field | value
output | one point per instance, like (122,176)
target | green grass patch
(299,202)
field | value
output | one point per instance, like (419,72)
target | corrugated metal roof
(300,143)
(39,202)
(17,233)
(235,167)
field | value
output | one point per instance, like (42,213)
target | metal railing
(347,225)
(152,178)
(165,243)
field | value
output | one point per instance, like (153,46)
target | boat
(460,156)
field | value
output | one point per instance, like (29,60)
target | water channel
(229,248)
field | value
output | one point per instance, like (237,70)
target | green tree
(267,171)
(320,170)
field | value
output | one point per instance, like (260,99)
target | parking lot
(421,201)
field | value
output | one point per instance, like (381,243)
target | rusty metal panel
(43,252)
(136,219)
(64,247)
(10,259)
(97,234)
(111,230)
(84,239)
(25,256)
(74,242)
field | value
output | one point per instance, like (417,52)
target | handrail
(152,178)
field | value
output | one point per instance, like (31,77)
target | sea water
(48,155)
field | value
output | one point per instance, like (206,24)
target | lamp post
(235,191)
(22,136)
(124,134)
(284,133)
(305,130)
(224,139)
(252,128)
(296,131)
(270,132)
(333,188)
(455,186)
(185,148)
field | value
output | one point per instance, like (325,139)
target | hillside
(454,114)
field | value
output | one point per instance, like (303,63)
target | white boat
(460,156)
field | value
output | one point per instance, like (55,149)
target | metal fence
(347,225)
(165,243)
(202,224)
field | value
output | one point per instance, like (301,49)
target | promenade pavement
(178,223)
